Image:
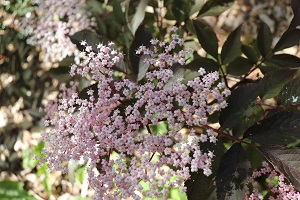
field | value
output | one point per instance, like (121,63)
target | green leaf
(177,9)
(118,13)
(60,73)
(241,111)
(232,46)
(138,67)
(255,157)
(250,53)
(208,64)
(207,37)
(10,190)
(296,10)
(28,161)
(215,7)
(233,171)
(199,186)
(239,66)
(138,16)
(45,176)
(285,60)
(273,82)
(288,39)
(287,160)
(280,128)
(178,72)
(81,173)
(264,40)
(290,93)
(196,7)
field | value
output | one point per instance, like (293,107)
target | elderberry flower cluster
(111,127)
(51,24)
(280,191)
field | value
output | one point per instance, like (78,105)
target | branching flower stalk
(111,127)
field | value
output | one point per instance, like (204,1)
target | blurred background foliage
(27,82)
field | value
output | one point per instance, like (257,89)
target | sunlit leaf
(273,82)
(215,7)
(138,16)
(287,160)
(199,186)
(233,172)
(290,93)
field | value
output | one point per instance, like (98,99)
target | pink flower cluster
(280,191)
(112,126)
(51,24)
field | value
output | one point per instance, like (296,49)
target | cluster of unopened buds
(112,127)
(280,189)
(51,24)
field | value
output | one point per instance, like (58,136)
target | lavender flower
(107,128)
(51,24)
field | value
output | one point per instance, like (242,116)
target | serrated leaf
(215,7)
(239,66)
(208,64)
(288,39)
(280,128)
(273,82)
(232,46)
(233,171)
(141,37)
(241,111)
(264,40)
(250,53)
(285,60)
(290,93)
(199,186)
(287,160)
(207,37)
